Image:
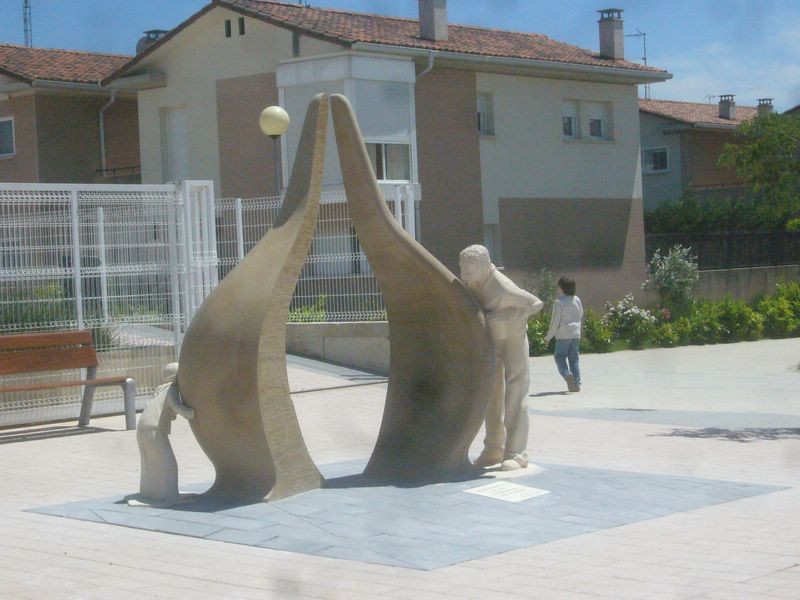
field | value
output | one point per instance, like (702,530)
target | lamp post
(274,121)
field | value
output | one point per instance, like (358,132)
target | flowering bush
(629,322)
(671,278)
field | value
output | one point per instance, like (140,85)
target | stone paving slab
(682,418)
(426,527)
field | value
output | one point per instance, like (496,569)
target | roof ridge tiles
(65,50)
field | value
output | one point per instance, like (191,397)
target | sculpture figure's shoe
(488,459)
(512,464)
(441,371)
(233,357)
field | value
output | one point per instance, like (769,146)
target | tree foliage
(767,153)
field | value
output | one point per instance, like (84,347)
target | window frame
(646,168)
(485,117)
(603,135)
(13,152)
(382,144)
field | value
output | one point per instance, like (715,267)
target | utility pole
(26,22)
(643,36)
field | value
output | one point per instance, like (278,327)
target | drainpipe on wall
(103,130)
(427,69)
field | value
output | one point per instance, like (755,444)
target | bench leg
(129,393)
(88,396)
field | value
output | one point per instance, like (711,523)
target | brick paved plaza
(673,474)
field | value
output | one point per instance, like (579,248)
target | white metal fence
(134,262)
(128,262)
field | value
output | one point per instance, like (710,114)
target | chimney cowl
(433,20)
(612,34)
(150,37)
(727,107)
(765,107)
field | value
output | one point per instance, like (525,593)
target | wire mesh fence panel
(336,282)
(111,259)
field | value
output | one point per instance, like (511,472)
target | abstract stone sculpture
(233,358)
(442,361)
(158,482)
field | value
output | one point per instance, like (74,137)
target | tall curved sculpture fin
(233,358)
(442,359)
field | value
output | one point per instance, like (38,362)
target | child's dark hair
(567,285)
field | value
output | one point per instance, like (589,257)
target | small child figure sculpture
(159,477)
(507,309)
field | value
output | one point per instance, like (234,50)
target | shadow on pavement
(737,435)
(46,433)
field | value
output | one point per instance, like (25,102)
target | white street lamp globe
(273,121)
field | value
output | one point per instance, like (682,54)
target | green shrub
(596,335)
(671,277)
(665,335)
(779,316)
(739,321)
(312,313)
(793,224)
(537,329)
(705,326)
(629,322)
(791,291)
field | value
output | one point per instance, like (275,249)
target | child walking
(565,326)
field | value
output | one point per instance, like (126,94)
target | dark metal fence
(732,249)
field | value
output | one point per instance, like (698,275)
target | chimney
(612,37)
(433,20)
(727,107)
(150,37)
(764,107)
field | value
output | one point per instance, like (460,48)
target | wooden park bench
(60,350)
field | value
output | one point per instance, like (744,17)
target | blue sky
(750,48)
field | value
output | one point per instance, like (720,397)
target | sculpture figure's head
(475,265)
(170,373)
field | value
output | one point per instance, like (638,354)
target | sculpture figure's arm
(176,404)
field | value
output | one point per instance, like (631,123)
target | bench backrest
(50,351)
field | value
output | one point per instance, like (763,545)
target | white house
(511,139)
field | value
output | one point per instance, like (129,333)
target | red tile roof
(347,27)
(695,113)
(28,64)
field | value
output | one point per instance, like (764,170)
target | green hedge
(625,326)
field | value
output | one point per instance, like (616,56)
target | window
(584,120)
(7,136)
(391,162)
(568,126)
(241,25)
(485,114)
(655,160)
(569,119)
(597,128)
(295,43)
(227,28)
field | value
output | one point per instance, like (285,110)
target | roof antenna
(26,22)
(709,98)
(642,36)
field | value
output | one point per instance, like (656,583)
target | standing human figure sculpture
(158,483)
(507,308)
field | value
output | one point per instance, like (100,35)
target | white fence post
(174,283)
(411,211)
(239,230)
(101,243)
(188,250)
(76,257)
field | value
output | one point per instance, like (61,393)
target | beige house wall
(528,156)
(24,165)
(121,123)
(192,63)
(69,134)
(449,163)
(246,157)
(571,206)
